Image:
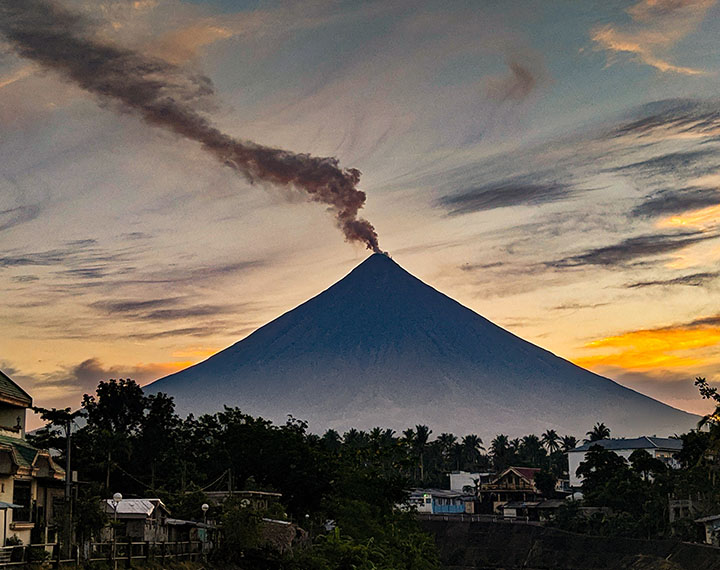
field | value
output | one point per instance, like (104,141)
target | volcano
(382,348)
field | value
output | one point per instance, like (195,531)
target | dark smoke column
(166,96)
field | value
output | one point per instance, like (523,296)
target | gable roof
(644,442)
(527,473)
(12,393)
(134,508)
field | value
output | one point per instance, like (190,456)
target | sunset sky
(555,166)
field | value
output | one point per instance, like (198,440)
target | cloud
(678,163)
(167,309)
(674,387)
(674,117)
(521,80)
(702,219)
(668,201)
(66,385)
(19,215)
(693,280)
(512,192)
(577,306)
(655,27)
(633,248)
(683,345)
(16,75)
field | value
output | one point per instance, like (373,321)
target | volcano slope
(382,348)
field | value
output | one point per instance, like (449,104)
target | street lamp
(117,497)
(205,508)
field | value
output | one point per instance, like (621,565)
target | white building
(662,448)
(466,482)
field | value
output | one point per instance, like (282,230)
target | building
(540,510)
(442,502)
(662,448)
(255,500)
(712,529)
(467,482)
(31,483)
(141,520)
(515,484)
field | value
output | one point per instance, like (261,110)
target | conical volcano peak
(381,347)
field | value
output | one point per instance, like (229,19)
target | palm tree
(500,451)
(598,432)
(550,439)
(472,448)
(422,434)
(568,442)
(532,450)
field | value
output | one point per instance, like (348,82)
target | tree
(598,432)
(531,451)
(551,440)
(422,435)
(472,447)
(568,442)
(545,483)
(500,451)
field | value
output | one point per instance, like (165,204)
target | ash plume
(164,95)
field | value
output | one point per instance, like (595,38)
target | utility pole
(64,418)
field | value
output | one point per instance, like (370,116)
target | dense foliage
(633,498)
(136,444)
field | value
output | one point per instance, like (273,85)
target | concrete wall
(515,546)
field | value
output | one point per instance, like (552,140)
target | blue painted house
(441,501)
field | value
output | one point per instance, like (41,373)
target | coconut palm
(551,440)
(472,448)
(598,432)
(568,442)
(422,435)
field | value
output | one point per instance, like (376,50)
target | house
(467,482)
(31,483)
(256,500)
(512,485)
(662,448)
(441,501)
(141,520)
(540,510)
(712,529)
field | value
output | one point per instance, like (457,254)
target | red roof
(527,472)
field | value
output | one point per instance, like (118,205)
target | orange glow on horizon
(647,349)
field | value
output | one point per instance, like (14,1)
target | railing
(464,517)
(127,551)
(26,554)
(123,553)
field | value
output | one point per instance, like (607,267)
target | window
(22,496)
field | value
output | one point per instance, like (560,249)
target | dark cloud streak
(504,194)
(634,248)
(693,280)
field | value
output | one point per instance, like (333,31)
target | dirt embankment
(504,546)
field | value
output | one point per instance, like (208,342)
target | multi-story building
(30,481)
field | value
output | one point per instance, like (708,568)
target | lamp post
(205,508)
(117,497)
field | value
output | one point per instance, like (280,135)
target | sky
(555,166)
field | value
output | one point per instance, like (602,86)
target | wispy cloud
(513,192)
(693,280)
(633,248)
(655,27)
(670,201)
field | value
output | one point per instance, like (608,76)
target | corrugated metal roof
(133,507)
(644,442)
(12,391)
